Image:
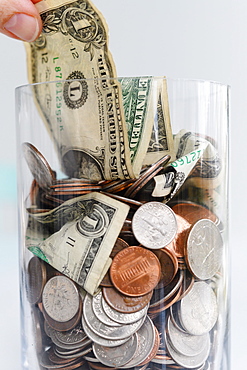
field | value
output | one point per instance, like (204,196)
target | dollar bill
(80,249)
(161,142)
(84,115)
(147,118)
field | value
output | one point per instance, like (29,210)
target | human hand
(20,19)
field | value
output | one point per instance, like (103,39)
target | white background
(202,39)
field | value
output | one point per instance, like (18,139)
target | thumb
(20,19)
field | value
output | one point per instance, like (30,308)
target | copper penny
(169,265)
(119,245)
(193,212)
(135,271)
(36,279)
(179,242)
(123,303)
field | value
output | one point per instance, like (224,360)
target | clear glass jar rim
(168,79)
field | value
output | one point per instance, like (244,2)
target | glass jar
(123,209)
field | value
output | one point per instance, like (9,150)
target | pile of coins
(157,305)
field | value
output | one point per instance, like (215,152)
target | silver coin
(98,339)
(123,318)
(199,309)
(60,299)
(71,354)
(117,356)
(204,249)
(105,331)
(38,166)
(73,336)
(189,362)
(146,340)
(154,225)
(100,312)
(184,343)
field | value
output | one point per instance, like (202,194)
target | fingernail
(23,26)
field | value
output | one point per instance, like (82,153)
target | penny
(123,318)
(36,279)
(169,265)
(204,249)
(154,225)
(119,245)
(135,271)
(146,173)
(60,299)
(179,242)
(123,303)
(187,283)
(38,166)
(116,356)
(193,212)
(199,309)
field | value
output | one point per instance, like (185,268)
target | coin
(193,212)
(123,318)
(154,225)
(123,303)
(38,166)
(60,299)
(146,340)
(100,312)
(135,271)
(116,356)
(199,309)
(108,342)
(169,265)
(106,331)
(36,279)
(189,362)
(185,343)
(204,249)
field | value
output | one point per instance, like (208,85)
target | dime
(198,309)
(185,343)
(36,279)
(154,225)
(60,299)
(73,337)
(123,318)
(204,249)
(117,356)
(135,271)
(38,166)
(123,303)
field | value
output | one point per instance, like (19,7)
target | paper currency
(74,45)
(161,141)
(82,246)
(197,162)
(147,118)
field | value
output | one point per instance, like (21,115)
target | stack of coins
(156,307)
